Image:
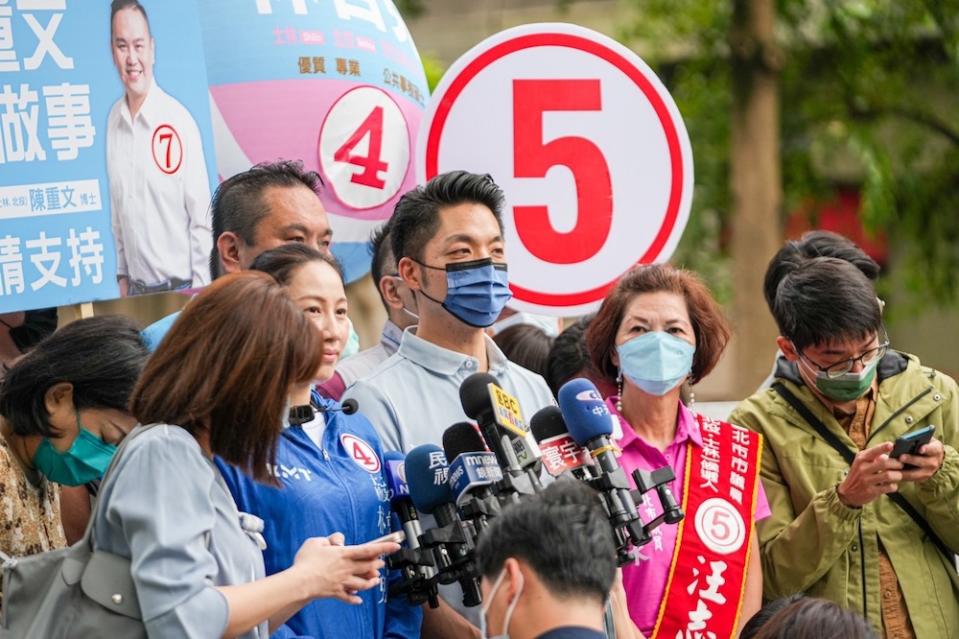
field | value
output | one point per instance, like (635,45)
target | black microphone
(502,426)
(590,423)
(416,565)
(472,473)
(300,415)
(453,541)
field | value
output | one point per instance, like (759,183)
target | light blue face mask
(352,346)
(656,362)
(476,291)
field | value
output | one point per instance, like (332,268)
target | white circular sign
(364,148)
(361,452)
(720,526)
(589,147)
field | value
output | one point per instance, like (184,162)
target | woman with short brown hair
(218,385)
(656,330)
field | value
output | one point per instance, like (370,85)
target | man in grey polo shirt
(447,237)
(448,240)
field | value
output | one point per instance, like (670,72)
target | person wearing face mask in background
(547,564)
(447,237)
(329,465)
(657,329)
(400,308)
(64,410)
(840,388)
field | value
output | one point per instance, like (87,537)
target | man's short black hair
(102,357)
(119,5)
(382,254)
(811,245)
(826,299)
(237,205)
(562,534)
(417,214)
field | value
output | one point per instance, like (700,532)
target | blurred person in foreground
(548,566)
(809,618)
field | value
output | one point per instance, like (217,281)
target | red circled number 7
(168,138)
(533,159)
(372,163)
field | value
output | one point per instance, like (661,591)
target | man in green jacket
(835,531)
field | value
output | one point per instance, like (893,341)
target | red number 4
(371,163)
(533,159)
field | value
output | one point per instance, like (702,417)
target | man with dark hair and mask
(447,238)
(876,533)
(548,565)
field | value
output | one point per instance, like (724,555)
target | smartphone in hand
(910,443)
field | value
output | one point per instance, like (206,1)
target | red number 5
(533,159)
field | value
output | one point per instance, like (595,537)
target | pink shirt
(645,579)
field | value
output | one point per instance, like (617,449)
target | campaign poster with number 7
(106,151)
(588,146)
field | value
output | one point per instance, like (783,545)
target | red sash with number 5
(704,593)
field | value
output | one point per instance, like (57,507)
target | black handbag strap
(847,454)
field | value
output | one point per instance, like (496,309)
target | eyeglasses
(841,368)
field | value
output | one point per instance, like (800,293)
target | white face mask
(509,610)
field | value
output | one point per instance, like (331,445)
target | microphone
(394,469)
(502,426)
(561,453)
(417,569)
(300,415)
(473,471)
(453,541)
(589,422)
(347,406)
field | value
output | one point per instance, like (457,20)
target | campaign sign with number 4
(588,146)
(337,84)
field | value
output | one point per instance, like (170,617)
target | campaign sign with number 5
(588,146)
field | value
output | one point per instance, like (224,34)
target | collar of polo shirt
(446,362)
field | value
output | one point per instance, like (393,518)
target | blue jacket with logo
(336,488)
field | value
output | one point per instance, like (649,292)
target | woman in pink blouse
(658,329)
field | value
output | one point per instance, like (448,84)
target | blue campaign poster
(106,151)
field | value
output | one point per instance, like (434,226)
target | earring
(619,393)
(692,396)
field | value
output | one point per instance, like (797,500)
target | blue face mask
(656,362)
(476,291)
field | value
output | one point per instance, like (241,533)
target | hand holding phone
(922,454)
(911,443)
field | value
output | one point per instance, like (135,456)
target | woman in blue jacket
(329,467)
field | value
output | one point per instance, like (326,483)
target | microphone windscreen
(584,410)
(474,395)
(548,422)
(426,472)
(394,471)
(350,406)
(460,438)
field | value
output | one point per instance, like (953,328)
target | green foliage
(869,92)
